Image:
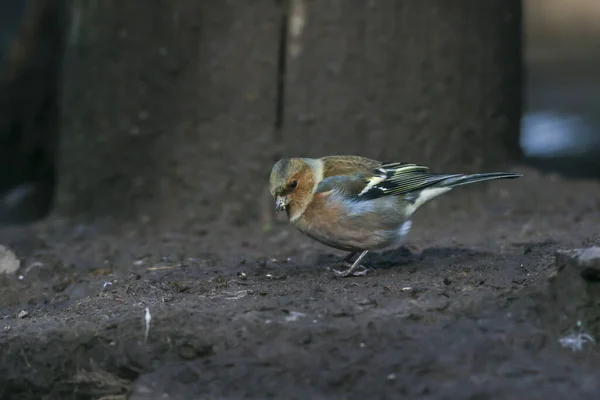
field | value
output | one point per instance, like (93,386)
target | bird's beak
(281,203)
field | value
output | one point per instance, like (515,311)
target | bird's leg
(353,269)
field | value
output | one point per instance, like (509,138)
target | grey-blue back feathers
(395,179)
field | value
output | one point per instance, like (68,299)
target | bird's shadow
(403,256)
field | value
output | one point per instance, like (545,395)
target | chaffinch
(358,204)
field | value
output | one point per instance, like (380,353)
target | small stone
(574,290)
(586,260)
(9,263)
(294,316)
(22,314)
(368,302)
(187,352)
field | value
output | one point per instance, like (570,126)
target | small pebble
(22,314)
(9,263)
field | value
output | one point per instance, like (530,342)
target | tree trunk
(170,108)
(31,53)
(435,82)
(173,111)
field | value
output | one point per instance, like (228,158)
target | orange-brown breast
(330,223)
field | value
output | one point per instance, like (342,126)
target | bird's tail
(459,180)
(433,186)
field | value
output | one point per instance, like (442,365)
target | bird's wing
(372,180)
(346,174)
(395,179)
(347,185)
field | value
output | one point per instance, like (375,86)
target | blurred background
(169,108)
(561,124)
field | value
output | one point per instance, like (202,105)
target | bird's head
(291,184)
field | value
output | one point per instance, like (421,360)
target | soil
(253,311)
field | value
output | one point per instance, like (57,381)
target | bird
(358,204)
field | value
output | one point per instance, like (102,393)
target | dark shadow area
(31,56)
(577,167)
(386,259)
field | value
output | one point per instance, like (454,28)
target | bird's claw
(351,271)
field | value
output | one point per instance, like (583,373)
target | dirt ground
(254,312)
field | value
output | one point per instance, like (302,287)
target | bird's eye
(293,184)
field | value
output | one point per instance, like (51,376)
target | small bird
(357,204)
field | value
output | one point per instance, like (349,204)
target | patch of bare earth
(463,312)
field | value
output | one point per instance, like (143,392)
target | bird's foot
(352,270)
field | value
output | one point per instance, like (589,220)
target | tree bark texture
(169,109)
(175,111)
(435,82)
